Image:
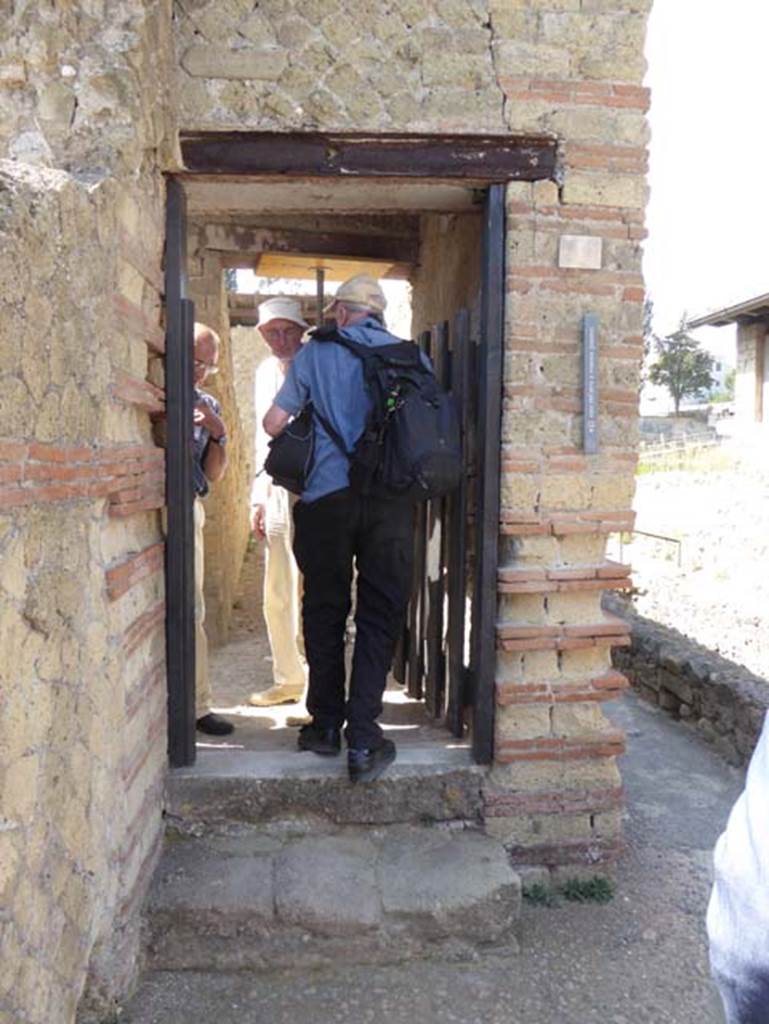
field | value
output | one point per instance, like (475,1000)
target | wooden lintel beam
(252,241)
(490,158)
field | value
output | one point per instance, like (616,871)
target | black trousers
(378,536)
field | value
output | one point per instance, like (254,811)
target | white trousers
(282,597)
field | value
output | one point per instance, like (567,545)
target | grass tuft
(576,890)
(540,895)
(590,890)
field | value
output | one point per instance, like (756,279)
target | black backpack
(410,445)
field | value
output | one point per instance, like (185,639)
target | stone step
(252,899)
(425,784)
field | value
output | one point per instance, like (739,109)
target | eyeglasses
(210,368)
(274,333)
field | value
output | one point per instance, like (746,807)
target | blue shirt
(200,441)
(331,378)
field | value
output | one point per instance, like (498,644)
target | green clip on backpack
(410,445)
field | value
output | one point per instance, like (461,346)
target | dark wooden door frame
(491,353)
(180,565)
(486,161)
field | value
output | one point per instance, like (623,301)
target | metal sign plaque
(590,383)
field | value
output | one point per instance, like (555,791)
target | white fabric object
(281,308)
(738,912)
(268,380)
(282,580)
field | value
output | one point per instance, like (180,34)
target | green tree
(682,366)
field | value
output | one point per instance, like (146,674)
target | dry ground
(717,507)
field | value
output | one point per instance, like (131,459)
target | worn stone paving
(641,958)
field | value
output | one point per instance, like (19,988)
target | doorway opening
(445,237)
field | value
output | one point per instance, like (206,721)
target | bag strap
(333,434)
(405,354)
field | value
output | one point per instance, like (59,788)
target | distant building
(751,394)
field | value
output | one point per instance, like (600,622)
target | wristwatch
(221,440)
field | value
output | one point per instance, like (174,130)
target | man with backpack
(336,525)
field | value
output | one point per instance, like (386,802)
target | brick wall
(81,621)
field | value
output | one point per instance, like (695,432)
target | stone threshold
(426,783)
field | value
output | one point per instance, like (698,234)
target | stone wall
(747,385)
(227,504)
(82,721)
(723,701)
(448,277)
(562,66)
(85,122)
(248,350)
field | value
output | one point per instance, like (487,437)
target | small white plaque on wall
(581,251)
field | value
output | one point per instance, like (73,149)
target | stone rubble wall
(569,69)
(248,351)
(416,65)
(227,503)
(86,121)
(448,275)
(82,677)
(724,701)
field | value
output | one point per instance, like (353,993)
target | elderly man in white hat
(282,326)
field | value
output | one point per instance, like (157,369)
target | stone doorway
(436,251)
(445,234)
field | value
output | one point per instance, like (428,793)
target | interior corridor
(243,665)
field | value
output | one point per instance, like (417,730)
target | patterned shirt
(200,441)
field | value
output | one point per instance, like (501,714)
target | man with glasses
(209,465)
(282,326)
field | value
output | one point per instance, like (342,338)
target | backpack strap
(402,354)
(333,434)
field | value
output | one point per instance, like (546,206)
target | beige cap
(363,291)
(280,308)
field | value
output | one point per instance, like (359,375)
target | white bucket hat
(280,308)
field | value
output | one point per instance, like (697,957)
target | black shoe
(214,725)
(319,740)
(365,765)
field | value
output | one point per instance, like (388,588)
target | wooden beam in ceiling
(252,242)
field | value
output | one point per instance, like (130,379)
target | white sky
(708,215)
